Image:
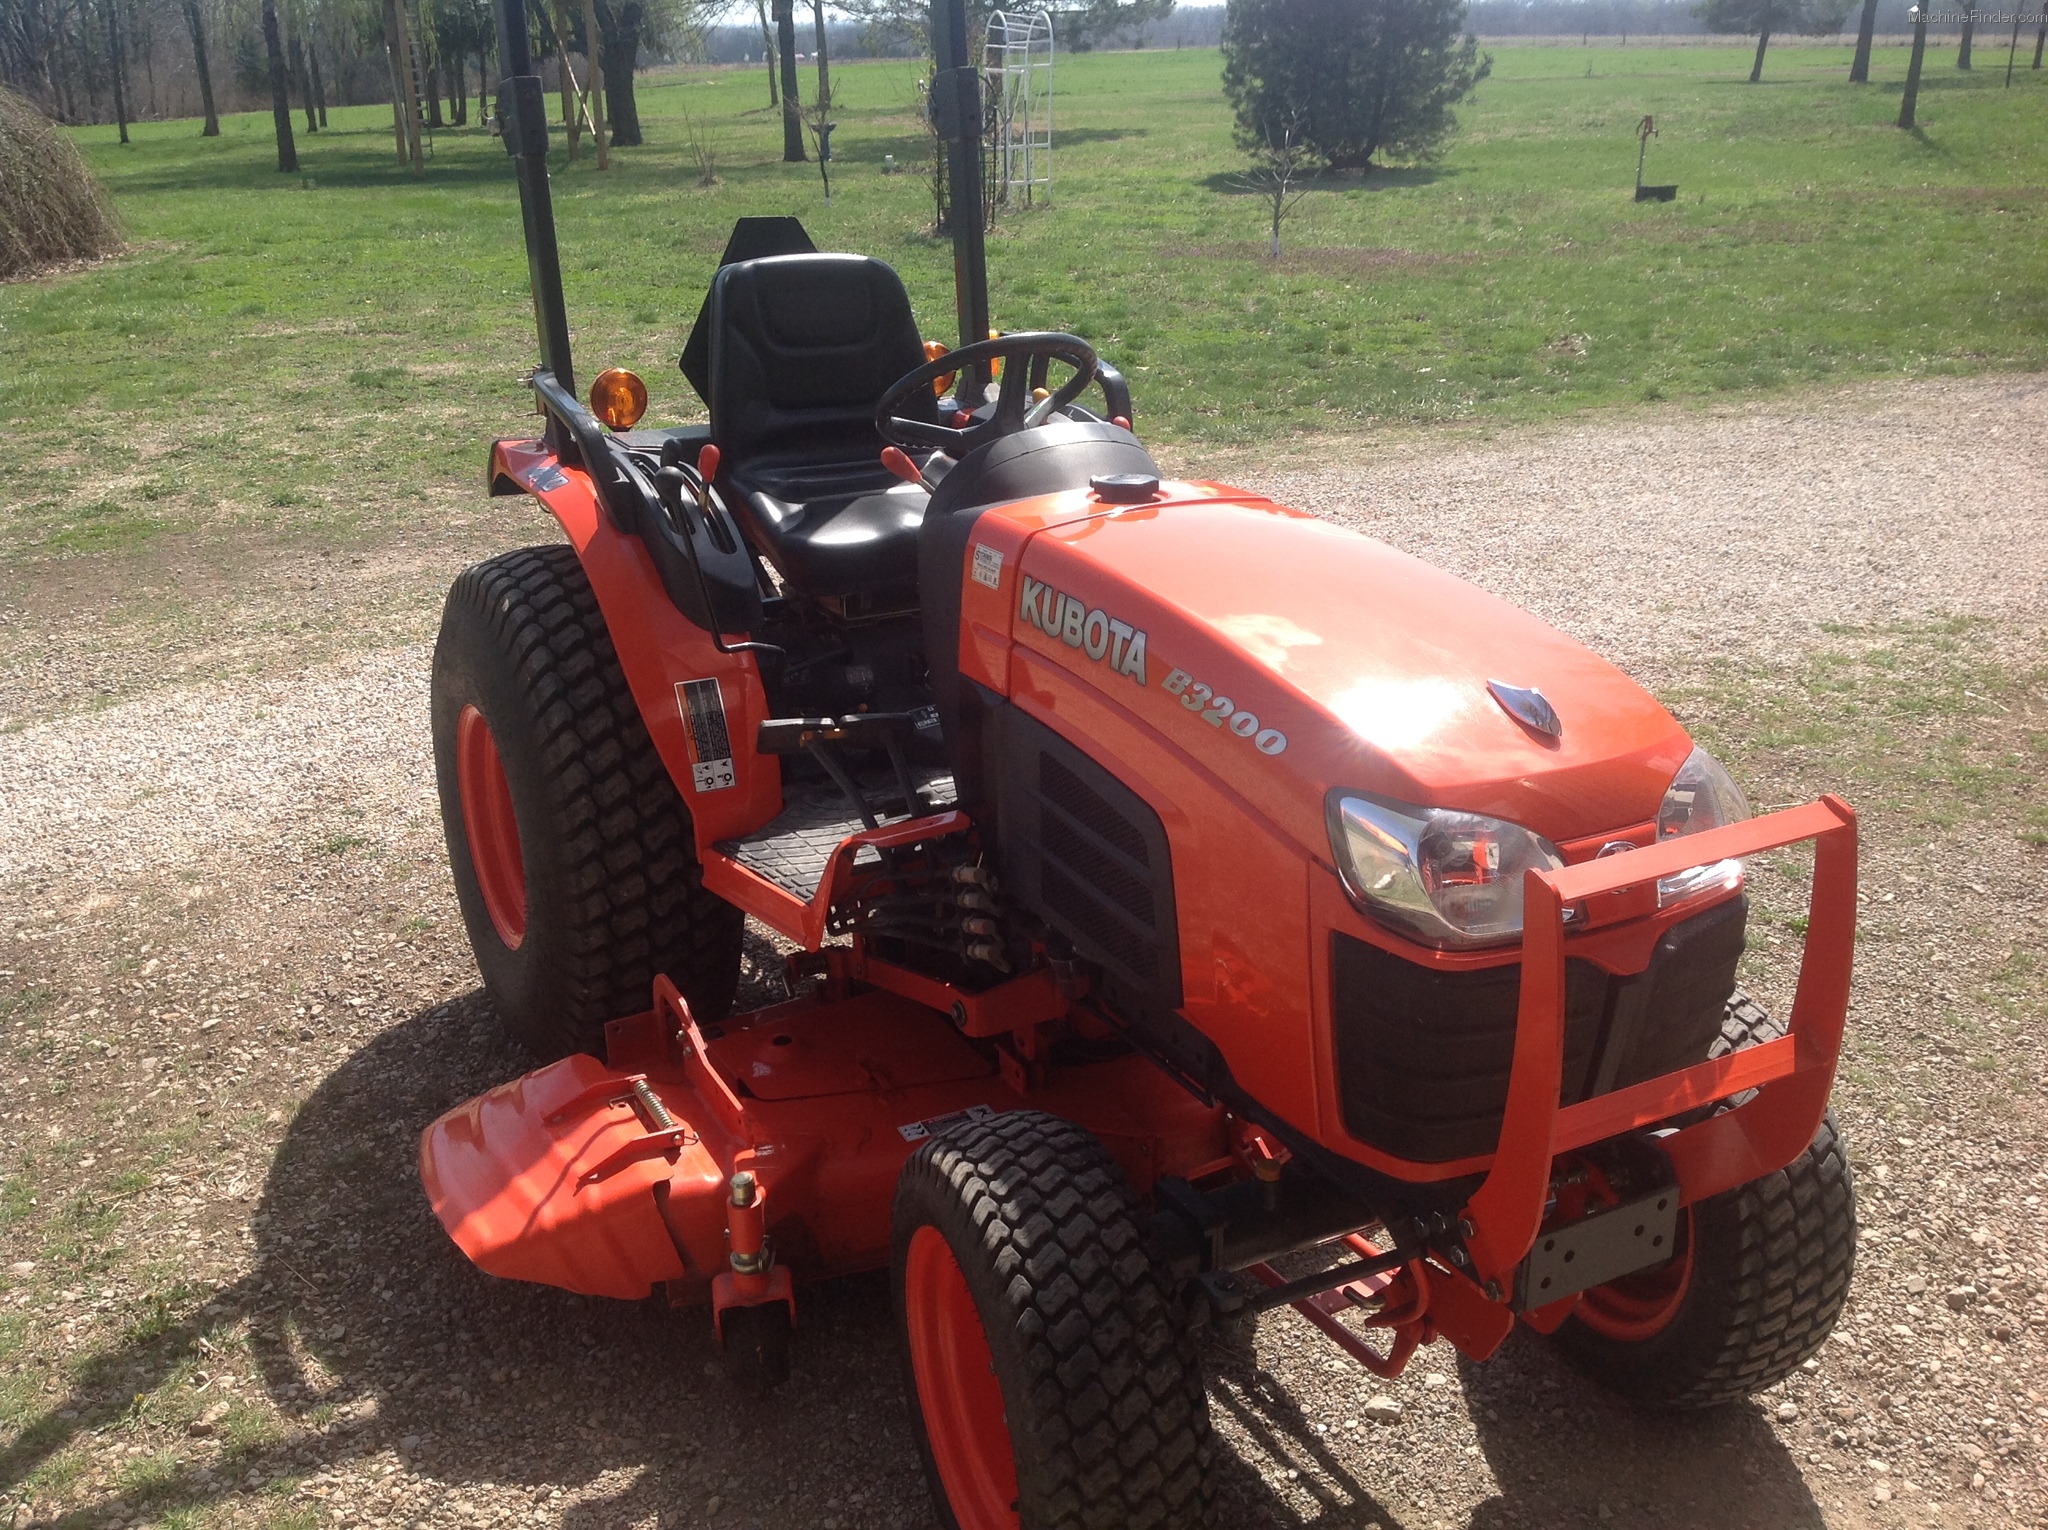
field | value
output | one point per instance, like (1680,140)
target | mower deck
(611,1180)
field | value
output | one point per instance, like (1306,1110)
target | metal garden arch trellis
(1017,63)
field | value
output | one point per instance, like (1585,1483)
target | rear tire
(572,852)
(1761,1279)
(1049,1384)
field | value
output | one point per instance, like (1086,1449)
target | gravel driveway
(233,987)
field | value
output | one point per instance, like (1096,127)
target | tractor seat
(802,348)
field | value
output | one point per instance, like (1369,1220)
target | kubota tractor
(1179,885)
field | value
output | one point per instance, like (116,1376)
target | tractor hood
(1291,656)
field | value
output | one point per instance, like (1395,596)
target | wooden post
(415,150)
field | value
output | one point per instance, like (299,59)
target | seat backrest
(801,348)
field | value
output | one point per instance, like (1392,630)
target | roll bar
(956,113)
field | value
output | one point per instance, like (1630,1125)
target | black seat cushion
(834,528)
(802,347)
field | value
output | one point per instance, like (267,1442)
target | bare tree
(280,96)
(1866,33)
(818,118)
(792,105)
(198,30)
(1281,162)
(824,63)
(1911,102)
(768,52)
(114,65)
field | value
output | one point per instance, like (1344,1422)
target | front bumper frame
(1790,1076)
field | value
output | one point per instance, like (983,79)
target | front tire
(1760,1278)
(1050,1387)
(572,852)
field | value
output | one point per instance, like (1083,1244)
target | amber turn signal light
(933,350)
(618,398)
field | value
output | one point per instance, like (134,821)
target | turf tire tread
(632,899)
(1775,1258)
(1104,1389)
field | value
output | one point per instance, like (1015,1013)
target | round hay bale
(51,208)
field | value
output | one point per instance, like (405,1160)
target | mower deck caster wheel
(756,1351)
(1050,1387)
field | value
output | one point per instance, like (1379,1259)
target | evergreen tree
(1355,78)
(1764,17)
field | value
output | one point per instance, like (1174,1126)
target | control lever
(901,463)
(707,470)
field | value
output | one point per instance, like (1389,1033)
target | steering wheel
(1014,410)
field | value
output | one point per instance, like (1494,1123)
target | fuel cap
(1125,488)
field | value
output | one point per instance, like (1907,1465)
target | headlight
(1445,877)
(1701,796)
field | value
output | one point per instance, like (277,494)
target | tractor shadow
(399,1369)
(396,1364)
(1560,1452)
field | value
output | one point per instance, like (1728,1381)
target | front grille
(1423,1056)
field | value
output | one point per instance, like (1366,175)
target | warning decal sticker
(988,565)
(703,710)
(917,1131)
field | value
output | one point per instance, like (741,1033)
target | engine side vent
(1067,792)
(1088,855)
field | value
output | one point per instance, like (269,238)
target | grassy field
(320,350)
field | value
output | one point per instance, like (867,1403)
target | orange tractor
(1193,908)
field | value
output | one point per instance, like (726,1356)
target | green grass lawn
(328,349)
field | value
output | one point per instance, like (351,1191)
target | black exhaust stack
(523,118)
(956,114)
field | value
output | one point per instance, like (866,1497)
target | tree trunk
(571,118)
(824,64)
(212,128)
(1866,31)
(1763,41)
(792,109)
(280,96)
(618,53)
(297,52)
(1912,98)
(1969,34)
(397,90)
(768,52)
(483,85)
(2040,42)
(319,85)
(458,87)
(114,58)
(593,41)
(430,79)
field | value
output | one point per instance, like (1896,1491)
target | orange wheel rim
(1642,1305)
(957,1390)
(491,828)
